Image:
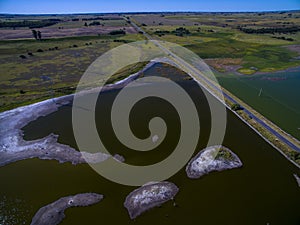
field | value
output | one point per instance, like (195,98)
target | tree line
(100,18)
(180,31)
(29,23)
(270,30)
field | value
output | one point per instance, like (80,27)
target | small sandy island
(148,196)
(213,158)
(53,213)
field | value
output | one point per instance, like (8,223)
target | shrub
(22,56)
(236,107)
(180,31)
(95,23)
(117,32)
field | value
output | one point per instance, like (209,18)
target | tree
(117,32)
(85,24)
(39,35)
(34,33)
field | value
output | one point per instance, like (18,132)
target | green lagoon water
(262,191)
(279,100)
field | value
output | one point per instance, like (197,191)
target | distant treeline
(270,30)
(100,18)
(181,31)
(284,38)
(29,23)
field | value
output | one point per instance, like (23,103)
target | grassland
(53,69)
(218,36)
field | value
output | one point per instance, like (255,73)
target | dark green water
(279,100)
(263,191)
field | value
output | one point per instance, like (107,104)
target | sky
(99,6)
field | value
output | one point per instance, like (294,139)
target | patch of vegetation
(181,31)
(224,154)
(283,38)
(100,18)
(117,32)
(126,71)
(295,156)
(246,71)
(161,32)
(236,107)
(95,23)
(271,30)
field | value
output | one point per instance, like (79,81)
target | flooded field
(276,96)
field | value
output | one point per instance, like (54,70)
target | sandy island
(14,148)
(53,213)
(148,196)
(213,158)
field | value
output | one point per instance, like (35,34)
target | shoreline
(14,148)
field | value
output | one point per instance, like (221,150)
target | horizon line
(140,12)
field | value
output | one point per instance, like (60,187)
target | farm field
(33,70)
(246,43)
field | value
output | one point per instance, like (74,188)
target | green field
(218,36)
(63,60)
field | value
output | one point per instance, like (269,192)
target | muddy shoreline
(14,148)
